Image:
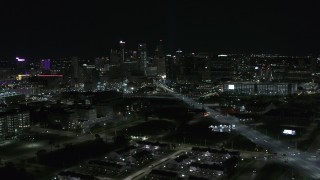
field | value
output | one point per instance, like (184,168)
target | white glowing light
(289,132)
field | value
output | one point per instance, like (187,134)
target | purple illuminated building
(46,64)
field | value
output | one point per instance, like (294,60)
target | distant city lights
(50,75)
(21,76)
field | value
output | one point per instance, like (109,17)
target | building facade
(13,122)
(253,88)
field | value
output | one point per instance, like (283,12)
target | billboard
(230,86)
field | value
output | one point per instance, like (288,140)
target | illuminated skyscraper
(122,46)
(159,60)
(222,68)
(142,57)
(171,75)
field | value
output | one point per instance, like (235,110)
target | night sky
(90,28)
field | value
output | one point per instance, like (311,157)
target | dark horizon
(76,28)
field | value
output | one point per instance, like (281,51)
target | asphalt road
(307,163)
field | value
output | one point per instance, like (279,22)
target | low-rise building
(157,174)
(214,168)
(106,166)
(70,175)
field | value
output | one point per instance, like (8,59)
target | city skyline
(167,89)
(57,28)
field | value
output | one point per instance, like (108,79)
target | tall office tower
(142,57)
(122,46)
(222,68)
(193,68)
(101,63)
(115,57)
(171,69)
(90,76)
(75,69)
(6,69)
(161,66)
(21,66)
(45,64)
(159,60)
(160,48)
(314,64)
(179,56)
